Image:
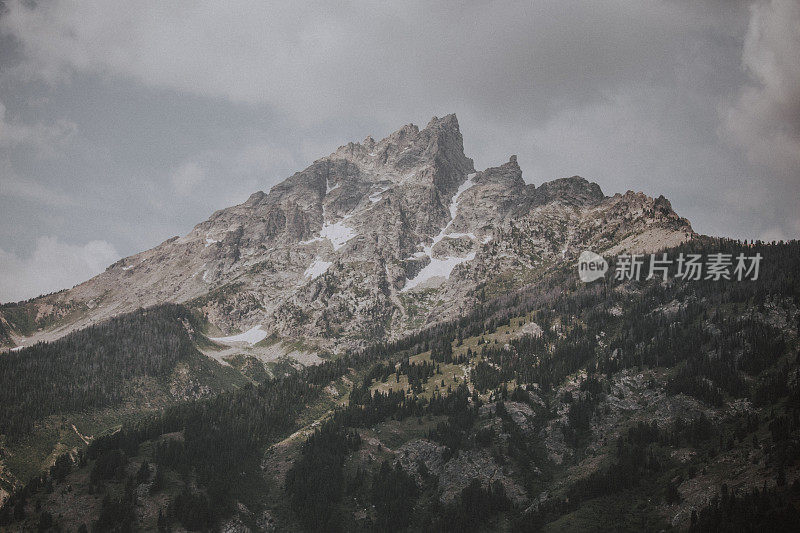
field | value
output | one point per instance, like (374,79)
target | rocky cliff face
(368,243)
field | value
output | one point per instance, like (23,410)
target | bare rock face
(366,244)
(574,191)
(454,474)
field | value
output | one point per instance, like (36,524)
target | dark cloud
(765,118)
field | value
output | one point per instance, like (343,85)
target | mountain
(392,340)
(644,405)
(367,244)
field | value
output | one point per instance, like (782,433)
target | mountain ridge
(415,333)
(346,249)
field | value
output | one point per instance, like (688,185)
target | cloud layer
(316,61)
(52,266)
(765,120)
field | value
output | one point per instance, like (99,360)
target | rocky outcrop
(574,191)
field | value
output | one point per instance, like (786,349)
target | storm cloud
(129,122)
(765,119)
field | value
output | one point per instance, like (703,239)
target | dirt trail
(84,438)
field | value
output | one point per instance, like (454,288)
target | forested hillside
(94,379)
(626,405)
(90,368)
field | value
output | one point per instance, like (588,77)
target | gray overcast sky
(125,123)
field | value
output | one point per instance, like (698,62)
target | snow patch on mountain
(454,202)
(328,187)
(337,233)
(317,269)
(376,196)
(443,267)
(251,336)
(437,268)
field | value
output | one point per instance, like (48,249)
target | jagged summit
(370,242)
(433,154)
(574,190)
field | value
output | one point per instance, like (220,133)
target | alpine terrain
(392,339)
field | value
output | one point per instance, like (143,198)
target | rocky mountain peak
(255,198)
(348,247)
(507,177)
(574,190)
(410,152)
